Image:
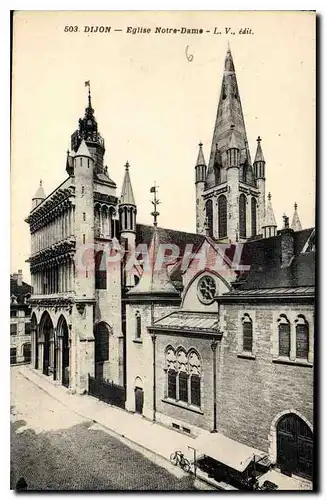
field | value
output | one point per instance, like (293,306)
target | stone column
(213,347)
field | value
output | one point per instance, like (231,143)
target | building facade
(20,319)
(217,337)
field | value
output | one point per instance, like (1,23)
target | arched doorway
(34,340)
(294,446)
(101,335)
(47,337)
(139,396)
(63,335)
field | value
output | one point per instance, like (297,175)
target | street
(53,448)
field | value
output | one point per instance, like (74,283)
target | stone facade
(20,319)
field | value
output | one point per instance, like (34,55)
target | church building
(206,332)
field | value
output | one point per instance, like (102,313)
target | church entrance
(64,334)
(294,446)
(46,333)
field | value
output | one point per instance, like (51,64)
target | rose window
(206,289)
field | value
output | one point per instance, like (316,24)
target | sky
(154,103)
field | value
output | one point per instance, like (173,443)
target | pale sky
(153,106)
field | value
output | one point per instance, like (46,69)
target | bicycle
(178,458)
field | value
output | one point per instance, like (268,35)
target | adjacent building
(20,319)
(219,336)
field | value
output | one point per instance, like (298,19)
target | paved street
(55,449)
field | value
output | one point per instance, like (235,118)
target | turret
(296,224)
(200,170)
(84,220)
(269,225)
(39,196)
(127,208)
(259,172)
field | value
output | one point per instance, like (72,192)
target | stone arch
(46,338)
(64,349)
(273,430)
(138,383)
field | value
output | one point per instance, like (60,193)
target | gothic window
(172,384)
(13,299)
(222,217)
(302,337)
(206,289)
(209,216)
(247,337)
(183,387)
(183,371)
(242,215)
(284,332)
(138,325)
(100,271)
(253,217)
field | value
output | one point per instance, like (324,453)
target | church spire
(200,165)
(296,224)
(259,163)
(269,225)
(127,195)
(229,112)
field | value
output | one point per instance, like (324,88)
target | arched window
(247,338)
(125,213)
(183,372)
(209,216)
(253,217)
(100,271)
(284,333)
(242,215)
(194,368)
(138,325)
(222,217)
(302,337)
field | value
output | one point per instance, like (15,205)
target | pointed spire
(270,220)
(40,194)
(155,279)
(127,195)
(296,224)
(200,157)
(259,152)
(83,150)
(229,112)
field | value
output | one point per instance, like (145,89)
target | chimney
(19,277)
(287,243)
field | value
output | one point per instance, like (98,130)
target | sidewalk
(149,435)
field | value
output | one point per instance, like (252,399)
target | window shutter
(284,339)
(302,341)
(247,336)
(183,387)
(195,390)
(172,384)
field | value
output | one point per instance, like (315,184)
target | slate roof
(264,258)
(19,291)
(262,255)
